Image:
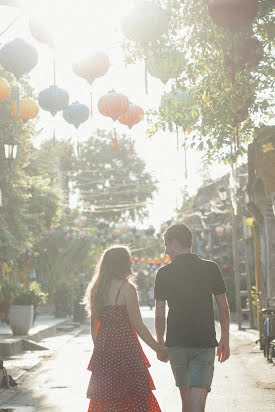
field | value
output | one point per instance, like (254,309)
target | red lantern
(113,105)
(250,51)
(130,118)
(225,268)
(232,13)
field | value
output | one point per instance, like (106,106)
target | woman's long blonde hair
(114,263)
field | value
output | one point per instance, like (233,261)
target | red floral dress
(120,380)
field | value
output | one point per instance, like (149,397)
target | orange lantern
(5,89)
(130,118)
(28,109)
(113,105)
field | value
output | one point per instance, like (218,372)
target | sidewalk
(48,334)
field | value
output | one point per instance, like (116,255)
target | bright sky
(85,25)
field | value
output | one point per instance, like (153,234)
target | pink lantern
(219,230)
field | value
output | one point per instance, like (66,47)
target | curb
(50,352)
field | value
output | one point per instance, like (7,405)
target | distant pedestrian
(120,380)
(187,284)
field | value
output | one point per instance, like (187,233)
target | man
(187,284)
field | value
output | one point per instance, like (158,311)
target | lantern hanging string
(18,101)
(237,136)
(54,75)
(146,74)
(54,135)
(91,100)
(115,140)
(131,147)
(233,79)
(10,24)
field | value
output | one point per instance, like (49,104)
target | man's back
(188,285)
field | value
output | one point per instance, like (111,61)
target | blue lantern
(53,99)
(18,57)
(76,113)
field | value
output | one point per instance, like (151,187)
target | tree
(232,95)
(112,186)
(30,203)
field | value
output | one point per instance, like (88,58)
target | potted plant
(22,309)
(8,291)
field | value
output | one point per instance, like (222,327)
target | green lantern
(174,104)
(188,119)
(166,64)
(146,22)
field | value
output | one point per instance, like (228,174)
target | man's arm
(160,328)
(223,351)
(160,320)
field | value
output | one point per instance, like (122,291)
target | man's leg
(197,399)
(185,399)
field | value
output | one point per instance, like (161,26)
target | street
(245,383)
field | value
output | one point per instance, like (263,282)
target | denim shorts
(192,367)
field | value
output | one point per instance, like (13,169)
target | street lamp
(10,147)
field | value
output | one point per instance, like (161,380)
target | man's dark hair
(181,233)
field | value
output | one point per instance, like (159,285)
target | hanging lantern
(250,51)
(219,230)
(76,113)
(40,32)
(146,22)
(113,104)
(188,119)
(92,66)
(18,57)
(132,116)
(232,13)
(5,89)
(53,99)
(225,268)
(217,259)
(166,64)
(28,109)
(174,104)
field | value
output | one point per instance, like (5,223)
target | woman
(120,380)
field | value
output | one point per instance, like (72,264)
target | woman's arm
(134,314)
(93,327)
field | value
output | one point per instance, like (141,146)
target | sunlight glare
(78,27)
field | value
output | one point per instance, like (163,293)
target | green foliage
(8,289)
(228,91)
(29,295)
(115,185)
(29,200)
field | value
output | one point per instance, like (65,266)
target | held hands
(162,353)
(223,350)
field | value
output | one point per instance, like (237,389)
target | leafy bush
(30,295)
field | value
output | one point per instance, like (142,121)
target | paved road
(245,383)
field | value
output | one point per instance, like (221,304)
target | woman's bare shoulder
(129,288)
